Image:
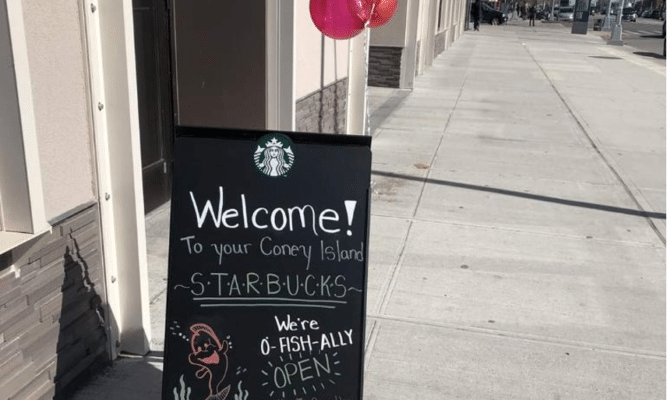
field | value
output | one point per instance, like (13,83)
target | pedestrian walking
(531,15)
(476,13)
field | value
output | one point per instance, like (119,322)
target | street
(645,34)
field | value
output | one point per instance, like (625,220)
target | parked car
(492,16)
(565,14)
(629,14)
(543,14)
(656,14)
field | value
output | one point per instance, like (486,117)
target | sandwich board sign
(268,261)
(581,14)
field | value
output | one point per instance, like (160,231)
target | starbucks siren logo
(274,156)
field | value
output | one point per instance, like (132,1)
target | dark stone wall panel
(384,66)
(323,111)
(439,43)
(52,310)
(417,57)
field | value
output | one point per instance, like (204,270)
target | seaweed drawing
(242,394)
(184,393)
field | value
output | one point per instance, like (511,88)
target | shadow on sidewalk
(649,54)
(387,108)
(130,378)
(537,197)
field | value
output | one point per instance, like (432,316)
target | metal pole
(617,30)
(367,47)
(367,39)
(607,20)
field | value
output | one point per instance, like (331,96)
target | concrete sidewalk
(517,243)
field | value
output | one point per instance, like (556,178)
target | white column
(356,88)
(431,21)
(280,61)
(110,34)
(410,56)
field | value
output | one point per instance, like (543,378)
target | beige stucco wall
(393,33)
(311,72)
(59,84)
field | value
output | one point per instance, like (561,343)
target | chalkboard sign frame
(196,133)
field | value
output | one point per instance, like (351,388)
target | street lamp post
(607,23)
(617,30)
(553,5)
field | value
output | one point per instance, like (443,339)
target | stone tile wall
(418,50)
(384,66)
(52,318)
(439,43)
(323,111)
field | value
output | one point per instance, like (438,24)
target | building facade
(419,32)
(91,92)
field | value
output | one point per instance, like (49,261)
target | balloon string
(366,56)
(367,40)
(370,16)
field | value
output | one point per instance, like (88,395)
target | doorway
(155,98)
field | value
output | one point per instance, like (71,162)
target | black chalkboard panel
(268,260)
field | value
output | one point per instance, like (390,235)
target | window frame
(22,208)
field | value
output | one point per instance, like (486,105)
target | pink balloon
(375,12)
(335,19)
(361,9)
(383,13)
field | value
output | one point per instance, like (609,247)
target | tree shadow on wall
(83,341)
(83,369)
(52,310)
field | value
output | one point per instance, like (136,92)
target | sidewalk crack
(589,136)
